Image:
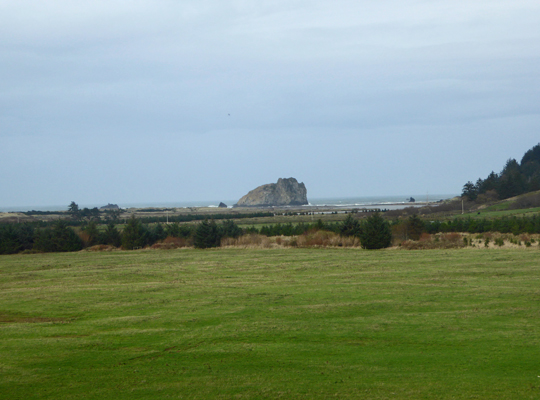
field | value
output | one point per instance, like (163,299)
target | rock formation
(222,205)
(286,192)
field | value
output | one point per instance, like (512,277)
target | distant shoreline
(395,202)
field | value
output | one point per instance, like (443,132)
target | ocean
(384,202)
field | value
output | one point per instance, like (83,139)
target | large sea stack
(286,192)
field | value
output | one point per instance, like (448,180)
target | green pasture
(499,213)
(277,323)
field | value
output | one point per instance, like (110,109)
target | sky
(173,101)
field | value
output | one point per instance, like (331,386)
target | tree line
(514,179)
(80,217)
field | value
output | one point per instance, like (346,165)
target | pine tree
(133,235)
(415,227)
(350,227)
(59,238)
(93,233)
(230,229)
(376,233)
(207,235)
(111,236)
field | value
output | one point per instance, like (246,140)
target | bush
(499,241)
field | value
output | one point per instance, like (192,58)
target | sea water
(382,202)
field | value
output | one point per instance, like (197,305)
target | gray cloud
(94,93)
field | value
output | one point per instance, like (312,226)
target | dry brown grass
(101,247)
(171,242)
(326,239)
(309,239)
(452,240)
(459,240)
(248,241)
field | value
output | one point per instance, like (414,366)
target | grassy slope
(290,323)
(490,214)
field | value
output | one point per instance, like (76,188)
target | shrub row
(373,232)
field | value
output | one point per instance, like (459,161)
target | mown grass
(280,323)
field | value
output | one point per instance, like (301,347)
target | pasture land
(276,323)
(490,213)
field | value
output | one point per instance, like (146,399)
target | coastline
(389,202)
(317,206)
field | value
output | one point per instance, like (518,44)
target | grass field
(494,213)
(281,323)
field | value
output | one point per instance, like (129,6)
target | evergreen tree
(376,233)
(59,238)
(9,240)
(207,235)
(172,230)
(469,191)
(134,234)
(230,229)
(350,227)
(73,209)
(93,233)
(158,233)
(415,227)
(490,183)
(531,156)
(111,236)
(25,234)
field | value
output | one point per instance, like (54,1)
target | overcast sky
(161,101)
